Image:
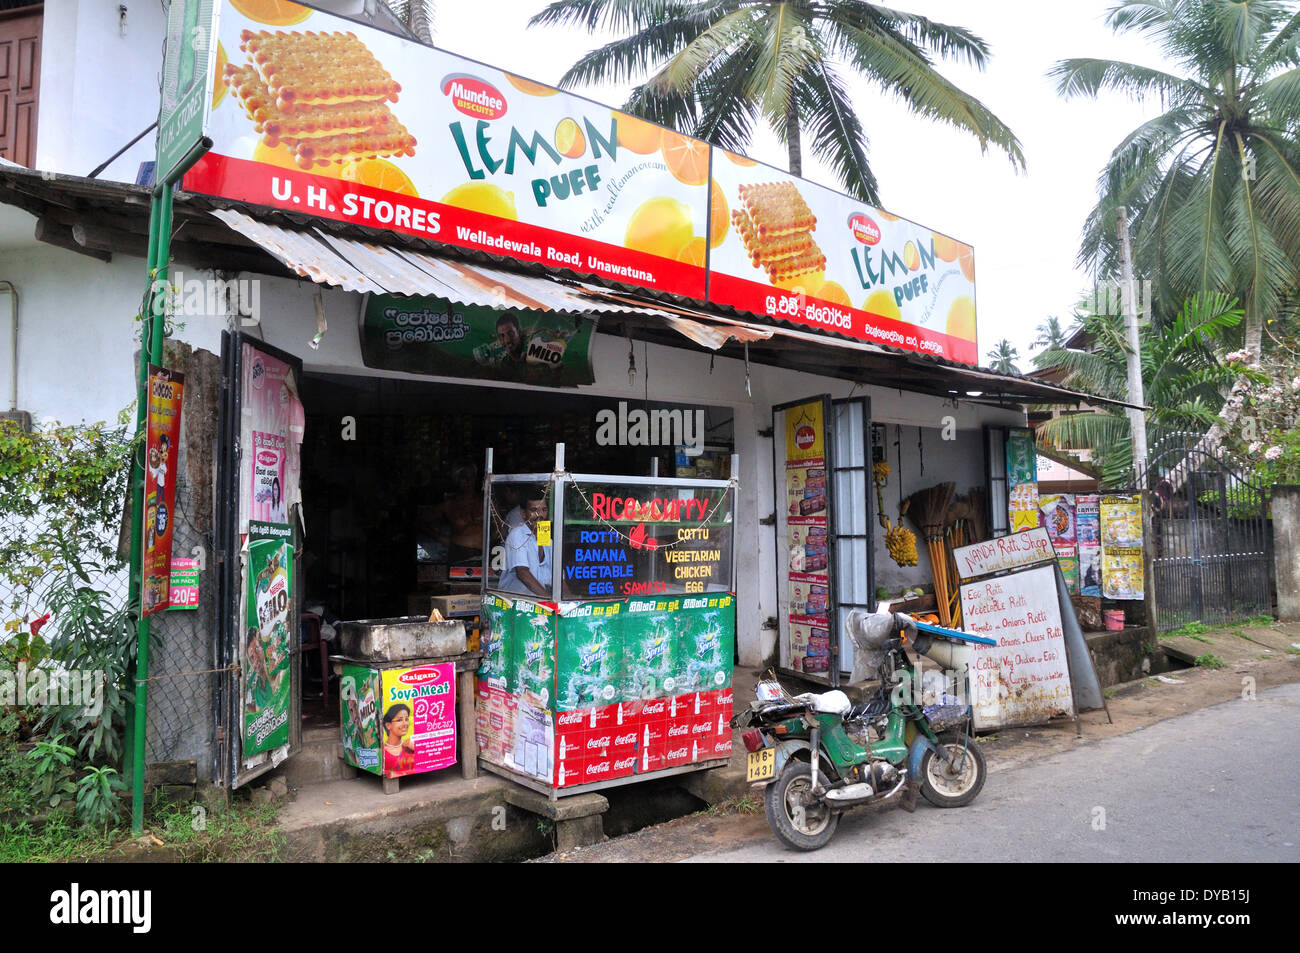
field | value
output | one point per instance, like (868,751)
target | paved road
(1221,784)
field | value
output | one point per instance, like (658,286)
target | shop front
(517,269)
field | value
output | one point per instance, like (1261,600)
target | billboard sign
(803,253)
(326,117)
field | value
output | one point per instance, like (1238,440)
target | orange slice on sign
(834,292)
(529,87)
(719,220)
(687,159)
(379,174)
(218,84)
(569,139)
(945,249)
(738,159)
(693,252)
(637,135)
(272,12)
(966,259)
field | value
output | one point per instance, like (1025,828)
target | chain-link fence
(64,582)
(182,653)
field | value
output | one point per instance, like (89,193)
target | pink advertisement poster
(418,720)
(271,432)
(268,477)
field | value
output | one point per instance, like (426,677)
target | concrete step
(318,760)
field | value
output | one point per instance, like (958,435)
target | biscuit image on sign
(317,69)
(775,226)
(322,96)
(776,209)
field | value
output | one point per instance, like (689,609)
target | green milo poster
(423,335)
(269,630)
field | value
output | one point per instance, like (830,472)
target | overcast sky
(1025,226)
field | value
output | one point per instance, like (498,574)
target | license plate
(762,765)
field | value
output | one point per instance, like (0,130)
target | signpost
(182,120)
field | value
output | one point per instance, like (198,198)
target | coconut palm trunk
(792,140)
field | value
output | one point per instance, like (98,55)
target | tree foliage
(1184,381)
(716,68)
(1213,182)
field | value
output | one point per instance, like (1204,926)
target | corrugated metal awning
(360,266)
(330,258)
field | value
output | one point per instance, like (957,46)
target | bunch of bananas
(880,476)
(901,544)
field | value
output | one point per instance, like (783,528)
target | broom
(928,509)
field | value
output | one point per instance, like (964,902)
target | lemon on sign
(483,197)
(660,226)
(882,302)
(961,318)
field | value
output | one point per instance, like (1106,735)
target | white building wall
(78,336)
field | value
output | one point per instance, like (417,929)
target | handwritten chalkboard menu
(623,539)
(1009,593)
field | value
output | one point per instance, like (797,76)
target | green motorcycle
(888,747)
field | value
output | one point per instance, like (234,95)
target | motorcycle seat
(834,702)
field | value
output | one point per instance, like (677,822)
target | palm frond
(836,134)
(1089,77)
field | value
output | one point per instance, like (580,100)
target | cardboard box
(458,605)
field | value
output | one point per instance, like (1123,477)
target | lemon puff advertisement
(319,115)
(784,247)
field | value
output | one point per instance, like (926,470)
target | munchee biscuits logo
(864,229)
(473,96)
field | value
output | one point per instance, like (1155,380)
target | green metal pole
(137,470)
(151,342)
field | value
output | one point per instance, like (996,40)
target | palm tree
(1184,380)
(1003,357)
(1050,335)
(716,67)
(417,15)
(1214,180)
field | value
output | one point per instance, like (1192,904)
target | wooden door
(20,74)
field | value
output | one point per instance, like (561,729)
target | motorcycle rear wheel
(798,819)
(955,785)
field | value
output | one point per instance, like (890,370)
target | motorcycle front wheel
(956,784)
(797,817)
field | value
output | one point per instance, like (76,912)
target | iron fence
(1211,546)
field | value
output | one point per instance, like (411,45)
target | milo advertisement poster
(789,249)
(270,612)
(359,694)
(424,335)
(324,116)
